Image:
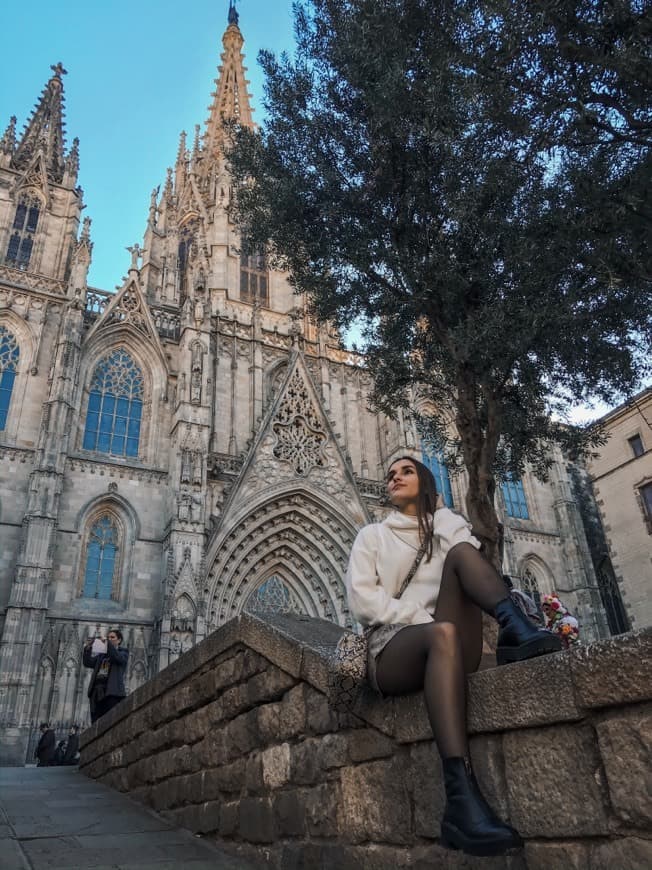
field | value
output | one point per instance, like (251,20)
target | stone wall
(235,741)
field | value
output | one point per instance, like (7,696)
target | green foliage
(472,181)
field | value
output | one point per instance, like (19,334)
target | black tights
(437,656)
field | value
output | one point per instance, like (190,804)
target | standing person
(107,685)
(46,747)
(72,746)
(431,637)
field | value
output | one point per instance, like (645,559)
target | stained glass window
(9,353)
(433,460)
(101,559)
(115,406)
(273,596)
(21,239)
(515,502)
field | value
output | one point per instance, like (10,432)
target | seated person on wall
(559,620)
(46,746)
(430,637)
(107,685)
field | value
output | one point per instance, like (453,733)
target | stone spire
(8,141)
(231,98)
(45,130)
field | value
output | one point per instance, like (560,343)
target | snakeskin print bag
(347,671)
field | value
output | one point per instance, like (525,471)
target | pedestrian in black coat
(46,746)
(72,746)
(107,685)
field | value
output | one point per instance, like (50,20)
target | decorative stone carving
(196,372)
(186,466)
(197,468)
(300,437)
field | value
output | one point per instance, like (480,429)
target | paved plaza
(54,817)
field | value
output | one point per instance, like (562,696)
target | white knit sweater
(381,558)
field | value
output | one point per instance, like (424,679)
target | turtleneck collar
(399,521)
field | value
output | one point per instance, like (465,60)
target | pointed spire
(85,235)
(81,261)
(231,98)
(8,141)
(45,130)
(72,163)
(168,190)
(181,152)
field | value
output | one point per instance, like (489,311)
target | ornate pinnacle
(8,141)
(86,230)
(45,130)
(167,191)
(72,160)
(234,18)
(181,153)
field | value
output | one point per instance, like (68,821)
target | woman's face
(403,486)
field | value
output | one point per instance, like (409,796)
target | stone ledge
(603,674)
(236,741)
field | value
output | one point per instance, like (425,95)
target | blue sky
(138,74)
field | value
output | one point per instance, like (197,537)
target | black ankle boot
(518,638)
(469,823)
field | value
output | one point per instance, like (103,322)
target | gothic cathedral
(193,445)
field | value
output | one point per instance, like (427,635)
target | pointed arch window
(254,279)
(530,586)
(274,596)
(115,406)
(23,231)
(515,501)
(9,353)
(434,461)
(101,559)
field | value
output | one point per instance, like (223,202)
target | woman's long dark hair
(426,502)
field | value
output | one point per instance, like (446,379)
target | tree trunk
(479,449)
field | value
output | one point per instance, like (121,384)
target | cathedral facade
(192,445)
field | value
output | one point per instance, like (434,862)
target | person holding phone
(107,685)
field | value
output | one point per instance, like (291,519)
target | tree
(411,175)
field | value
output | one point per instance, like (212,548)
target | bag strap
(413,570)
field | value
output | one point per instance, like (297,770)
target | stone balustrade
(235,741)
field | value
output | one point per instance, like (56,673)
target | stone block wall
(235,741)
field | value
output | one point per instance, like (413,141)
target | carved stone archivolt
(298,428)
(295,537)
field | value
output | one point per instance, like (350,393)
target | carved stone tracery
(300,436)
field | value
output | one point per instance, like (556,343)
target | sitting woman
(430,637)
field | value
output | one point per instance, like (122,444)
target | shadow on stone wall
(235,741)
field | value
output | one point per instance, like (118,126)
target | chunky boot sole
(538,646)
(453,838)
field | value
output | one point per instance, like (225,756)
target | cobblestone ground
(53,817)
